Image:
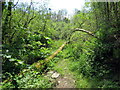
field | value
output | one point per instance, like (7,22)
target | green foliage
(11,66)
(82,53)
(30,35)
(31,79)
(25,41)
(105,49)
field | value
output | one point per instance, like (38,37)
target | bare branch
(26,23)
(88,32)
(15,4)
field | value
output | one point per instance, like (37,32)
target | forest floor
(66,79)
(64,74)
(61,75)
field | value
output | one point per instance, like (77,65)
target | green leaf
(12,59)
(8,56)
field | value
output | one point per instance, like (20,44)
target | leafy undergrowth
(90,82)
(31,77)
(67,64)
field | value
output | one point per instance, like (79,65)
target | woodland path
(65,78)
(61,74)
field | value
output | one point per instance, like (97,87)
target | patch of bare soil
(65,82)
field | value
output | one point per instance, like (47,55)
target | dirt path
(66,78)
(61,75)
(65,82)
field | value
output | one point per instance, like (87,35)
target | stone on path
(55,75)
(49,74)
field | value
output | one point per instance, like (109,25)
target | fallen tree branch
(39,64)
(55,53)
(90,33)
(82,30)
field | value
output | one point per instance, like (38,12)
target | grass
(66,65)
(62,66)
